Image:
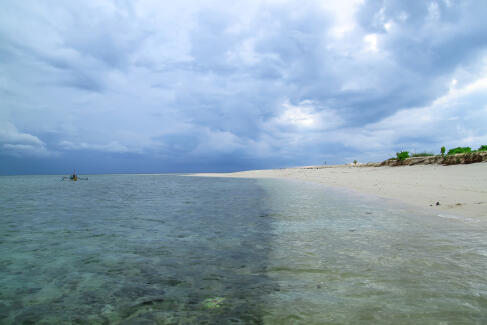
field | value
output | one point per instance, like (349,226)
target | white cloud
(244,53)
(26,150)
(455,119)
(344,16)
(433,11)
(306,117)
(10,134)
(217,141)
(371,42)
(18,143)
(112,146)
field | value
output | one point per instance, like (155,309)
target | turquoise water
(167,249)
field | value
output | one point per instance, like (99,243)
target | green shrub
(402,155)
(443,150)
(482,148)
(422,154)
(459,150)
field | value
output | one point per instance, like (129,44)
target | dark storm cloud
(237,85)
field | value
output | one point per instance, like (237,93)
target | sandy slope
(460,189)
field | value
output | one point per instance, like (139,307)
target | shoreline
(459,189)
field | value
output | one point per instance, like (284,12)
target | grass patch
(459,150)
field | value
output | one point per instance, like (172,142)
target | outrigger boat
(74,177)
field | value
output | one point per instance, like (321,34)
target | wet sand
(460,189)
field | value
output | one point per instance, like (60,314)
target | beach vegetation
(402,155)
(465,155)
(422,154)
(459,150)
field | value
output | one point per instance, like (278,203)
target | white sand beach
(459,189)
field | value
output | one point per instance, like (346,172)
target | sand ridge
(459,189)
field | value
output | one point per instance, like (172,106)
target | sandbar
(459,189)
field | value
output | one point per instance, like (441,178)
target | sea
(177,249)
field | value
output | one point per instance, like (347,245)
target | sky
(185,86)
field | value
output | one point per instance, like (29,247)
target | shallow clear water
(166,249)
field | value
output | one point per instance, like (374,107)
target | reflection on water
(142,249)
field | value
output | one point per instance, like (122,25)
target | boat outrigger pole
(74,177)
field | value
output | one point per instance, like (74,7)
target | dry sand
(460,189)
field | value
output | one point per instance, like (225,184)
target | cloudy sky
(178,86)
